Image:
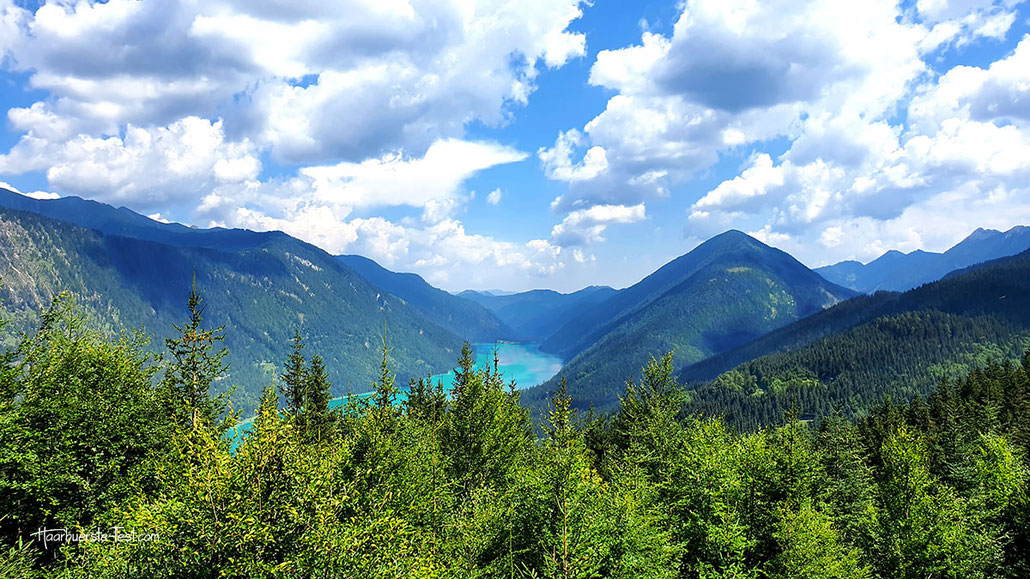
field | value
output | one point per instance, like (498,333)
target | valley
(730,304)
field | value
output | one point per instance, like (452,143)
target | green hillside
(730,290)
(465,318)
(888,344)
(262,294)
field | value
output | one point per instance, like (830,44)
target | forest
(114,462)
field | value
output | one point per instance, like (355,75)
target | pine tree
(385,387)
(194,368)
(294,377)
(317,418)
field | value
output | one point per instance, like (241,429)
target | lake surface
(524,363)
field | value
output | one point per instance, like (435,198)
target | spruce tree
(194,368)
(317,419)
(294,378)
(385,387)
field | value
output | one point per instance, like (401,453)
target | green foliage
(80,426)
(457,486)
(260,286)
(193,369)
(294,375)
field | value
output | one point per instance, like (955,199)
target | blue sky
(530,143)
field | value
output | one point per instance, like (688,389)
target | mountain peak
(981,233)
(729,240)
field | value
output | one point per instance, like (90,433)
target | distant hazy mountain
(463,317)
(896,271)
(726,292)
(261,293)
(887,344)
(536,314)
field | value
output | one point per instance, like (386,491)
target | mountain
(461,316)
(124,222)
(886,344)
(262,292)
(535,315)
(896,271)
(726,292)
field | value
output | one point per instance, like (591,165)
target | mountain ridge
(897,271)
(725,292)
(262,294)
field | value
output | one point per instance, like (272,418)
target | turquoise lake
(524,363)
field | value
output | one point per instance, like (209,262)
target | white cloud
(494,197)
(146,166)
(397,179)
(999,92)
(753,183)
(588,225)
(732,74)
(443,252)
(558,159)
(316,83)
(12,18)
(42,195)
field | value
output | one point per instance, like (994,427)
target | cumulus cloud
(396,179)
(444,252)
(588,225)
(558,159)
(171,105)
(873,136)
(345,81)
(494,197)
(732,74)
(148,166)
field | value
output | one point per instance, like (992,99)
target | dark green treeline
(96,433)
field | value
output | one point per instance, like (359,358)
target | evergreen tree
(194,368)
(318,421)
(294,376)
(385,388)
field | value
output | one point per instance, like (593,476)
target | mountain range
(748,323)
(261,286)
(897,271)
(850,356)
(535,315)
(465,318)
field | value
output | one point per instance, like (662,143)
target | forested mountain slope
(262,294)
(728,291)
(887,344)
(456,315)
(535,315)
(463,317)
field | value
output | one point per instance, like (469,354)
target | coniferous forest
(115,462)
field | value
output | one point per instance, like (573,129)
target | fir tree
(318,420)
(294,378)
(194,368)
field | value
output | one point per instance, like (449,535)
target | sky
(518,144)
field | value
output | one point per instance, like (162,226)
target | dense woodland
(849,357)
(97,432)
(260,285)
(724,293)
